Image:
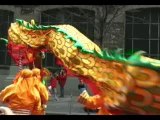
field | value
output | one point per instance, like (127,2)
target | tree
(104,17)
(104,22)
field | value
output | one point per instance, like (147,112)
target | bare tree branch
(115,14)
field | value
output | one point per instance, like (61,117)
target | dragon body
(126,84)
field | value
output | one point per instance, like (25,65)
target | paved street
(65,106)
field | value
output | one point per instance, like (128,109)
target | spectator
(62,80)
(53,86)
(81,86)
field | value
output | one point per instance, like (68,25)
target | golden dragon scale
(125,85)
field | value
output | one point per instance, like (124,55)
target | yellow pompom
(33,22)
(26,73)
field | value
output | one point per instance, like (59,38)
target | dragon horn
(3,39)
(33,22)
(140,52)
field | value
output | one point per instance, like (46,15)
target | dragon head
(27,38)
(25,33)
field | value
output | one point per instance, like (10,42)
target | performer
(27,92)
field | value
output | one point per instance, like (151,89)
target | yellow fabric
(92,102)
(27,92)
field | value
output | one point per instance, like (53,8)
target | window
(6,17)
(82,19)
(143,31)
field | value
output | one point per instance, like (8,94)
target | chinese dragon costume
(119,85)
